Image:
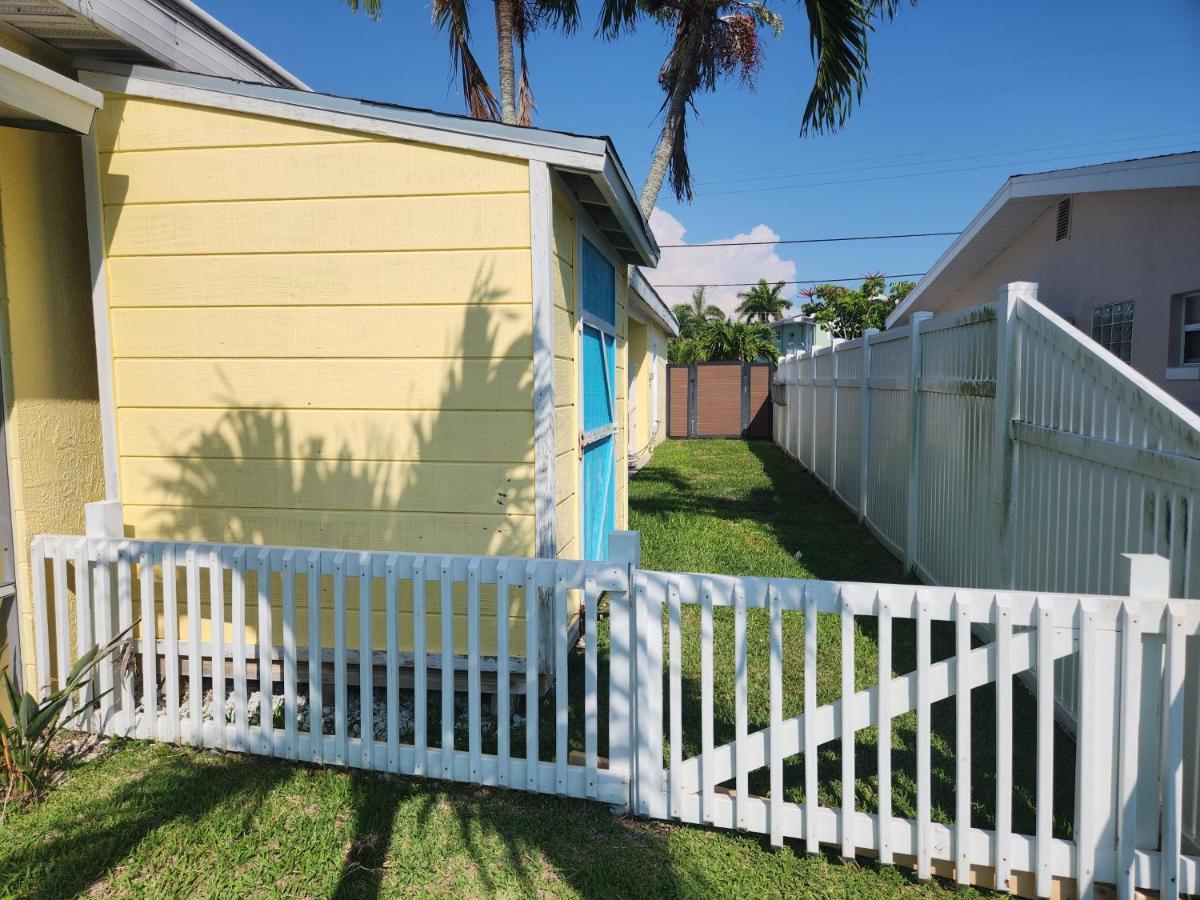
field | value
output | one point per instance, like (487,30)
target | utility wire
(820,240)
(806,281)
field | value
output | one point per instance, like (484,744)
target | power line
(820,240)
(806,281)
(1169,148)
(803,172)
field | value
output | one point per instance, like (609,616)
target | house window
(1112,328)
(1190,329)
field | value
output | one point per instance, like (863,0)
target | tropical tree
(716,39)
(684,351)
(740,341)
(763,303)
(848,312)
(516,20)
(693,316)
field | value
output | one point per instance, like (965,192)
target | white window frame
(1186,328)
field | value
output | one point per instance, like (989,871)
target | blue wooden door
(598,438)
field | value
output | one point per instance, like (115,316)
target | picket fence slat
(995,636)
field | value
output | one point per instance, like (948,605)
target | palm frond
(838,39)
(372,8)
(618,16)
(452,17)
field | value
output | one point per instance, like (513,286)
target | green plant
(763,303)
(847,312)
(26,740)
(739,341)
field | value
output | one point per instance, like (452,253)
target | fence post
(625,551)
(1004,450)
(812,412)
(914,438)
(864,437)
(833,418)
(1149,576)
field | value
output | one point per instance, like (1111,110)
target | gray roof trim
(655,305)
(798,318)
(594,157)
(1021,199)
(180,35)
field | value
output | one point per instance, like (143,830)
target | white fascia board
(968,234)
(165,34)
(589,155)
(654,304)
(46,95)
(241,44)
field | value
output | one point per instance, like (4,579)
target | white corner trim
(45,94)
(100,316)
(541,234)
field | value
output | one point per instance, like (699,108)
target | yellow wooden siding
(47,354)
(639,381)
(320,338)
(566,422)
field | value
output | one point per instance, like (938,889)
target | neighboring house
(316,321)
(652,326)
(798,332)
(1112,249)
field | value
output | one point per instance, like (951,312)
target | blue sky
(961,95)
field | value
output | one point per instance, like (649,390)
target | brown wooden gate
(719,399)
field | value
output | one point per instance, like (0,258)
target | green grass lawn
(144,819)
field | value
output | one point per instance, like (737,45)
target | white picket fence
(1128,754)
(999,447)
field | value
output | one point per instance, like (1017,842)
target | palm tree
(742,341)
(719,38)
(763,302)
(695,315)
(516,20)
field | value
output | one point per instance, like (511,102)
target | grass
(156,819)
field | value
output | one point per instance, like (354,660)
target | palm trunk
(508,81)
(672,122)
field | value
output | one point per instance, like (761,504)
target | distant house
(798,332)
(1114,249)
(249,312)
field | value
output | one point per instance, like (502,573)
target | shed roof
(1021,200)
(589,165)
(653,302)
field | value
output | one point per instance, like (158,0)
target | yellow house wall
(648,410)
(660,367)
(47,355)
(319,338)
(567,334)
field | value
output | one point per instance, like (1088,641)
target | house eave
(33,96)
(654,304)
(1020,200)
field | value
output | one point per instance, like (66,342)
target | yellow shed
(325,322)
(652,326)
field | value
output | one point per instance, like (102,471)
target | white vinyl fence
(999,447)
(674,759)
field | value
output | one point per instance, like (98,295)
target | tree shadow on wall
(447,478)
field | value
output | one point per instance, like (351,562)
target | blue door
(598,438)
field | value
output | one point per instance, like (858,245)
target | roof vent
(1063,229)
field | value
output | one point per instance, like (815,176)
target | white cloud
(716,265)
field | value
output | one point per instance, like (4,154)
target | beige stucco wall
(1124,245)
(47,356)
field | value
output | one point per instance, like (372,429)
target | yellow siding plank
(564,233)
(342,331)
(371,486)
(475,276)
(430,435)
(355,169)
(493,535)
(127,123)
(564,334)
(565,513)
(320,226)
(367,384)
(565,436)
(564,378)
